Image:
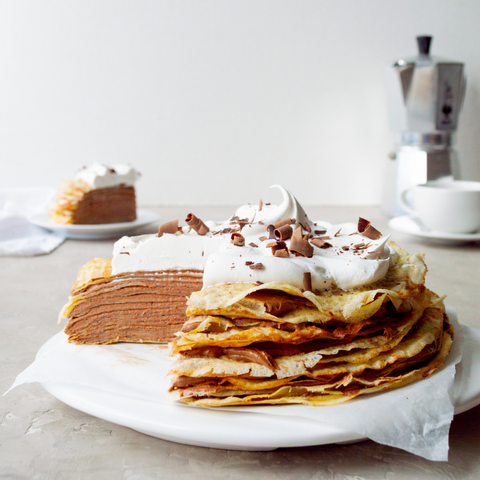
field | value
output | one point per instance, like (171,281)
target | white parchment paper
(415,418)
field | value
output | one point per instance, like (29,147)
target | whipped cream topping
(98,175)
(350,261)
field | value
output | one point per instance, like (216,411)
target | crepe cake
(139,295)
(312,314)
(99,194)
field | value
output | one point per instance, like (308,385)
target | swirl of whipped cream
(352,260)
(271,214)
(98,175)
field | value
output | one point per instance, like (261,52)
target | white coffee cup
(450,207)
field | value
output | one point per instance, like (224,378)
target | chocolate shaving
(170,227)
(307,227)
(345,248)
(253,245)
(336,235)
(283,233)
(320,243)
(237,239)
(307,281)
(262,239)
(257,266)
(260,205)
(299,245)
(365,228)
(124,253)
(320,232)
(279,249)
(271,229)
(242,223)
(196,224)
(260,222)
(285,221)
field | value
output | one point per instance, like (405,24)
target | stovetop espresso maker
(424,99)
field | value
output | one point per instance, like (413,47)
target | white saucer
(413,226)
(93,232)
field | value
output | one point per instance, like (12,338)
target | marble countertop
(40,437)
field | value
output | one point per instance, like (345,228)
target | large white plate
(92,232)
(413,226)
(236,430)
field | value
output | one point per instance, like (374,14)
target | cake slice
(98,195)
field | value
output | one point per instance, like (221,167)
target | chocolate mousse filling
(106,205)
(142,308)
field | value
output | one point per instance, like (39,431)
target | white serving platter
(239,430)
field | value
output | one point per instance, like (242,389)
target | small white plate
(94,232)
(413,226)
(241,430)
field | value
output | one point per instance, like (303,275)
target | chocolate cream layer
(106,205)
(143,307)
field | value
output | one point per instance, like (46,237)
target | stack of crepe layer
(78,203)
(142,307)
(247,344)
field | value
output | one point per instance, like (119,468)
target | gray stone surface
(40,437)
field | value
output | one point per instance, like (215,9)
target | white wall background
(216,100)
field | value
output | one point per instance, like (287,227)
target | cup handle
(405,205)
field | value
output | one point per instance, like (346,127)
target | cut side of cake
(140,307)
(98,195)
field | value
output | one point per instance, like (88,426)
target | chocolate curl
(299,245)
(283,233)
(260,205)
(279,249)
(196,224)
(271,229)
(237,239)
(365,228)
(307,281)
(285,221)
(318,242)
(170,227)
(307,227)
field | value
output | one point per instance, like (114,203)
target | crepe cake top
(263,243)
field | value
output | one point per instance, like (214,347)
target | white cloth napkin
(17,235)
